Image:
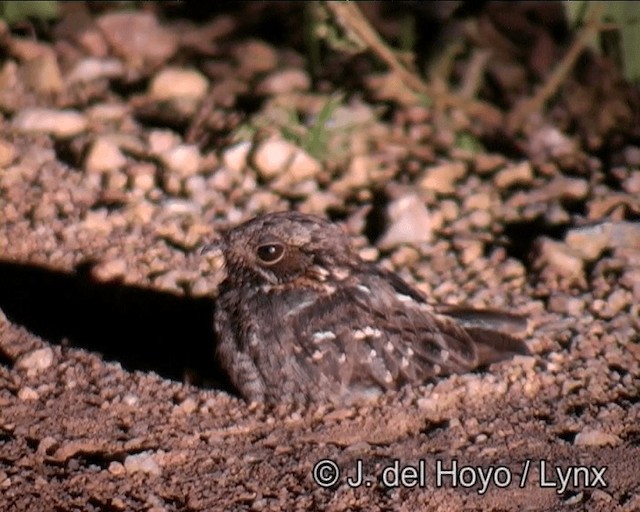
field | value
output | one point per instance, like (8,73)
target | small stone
(35,361)
(255,57)
(161,141)
(58,123)
(104,155)
(188,405)
(90,69)
(520,174)
(184,159)
(130,399)
(561,260)
(110,270)
(572,189)
(107,112)
(272,157)
(235,157)
(596,438)
(142,176)
(116,468)
(484,163)
(284,81)
(27,394)
(632,183)
(47,445)
(142,463)
(480,219)
(138,37)
(409,222)
(42,73)
(479,201)
(172,83)
(302,167)
(618,300)
(8,154)
(442,178)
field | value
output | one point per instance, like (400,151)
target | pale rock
(255,57)
(596,438)
(284,81)
(183,159)
(8,153)
(110,270)
(104,155)
(235,157)
(42,73)
(90,69)
(442,178)
(138,37)
(58,123)
(409,222)
(173,83)
(142,463)
(519,174)
(35,361)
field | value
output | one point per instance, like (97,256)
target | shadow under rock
(143,329)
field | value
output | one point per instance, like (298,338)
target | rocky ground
(129,139)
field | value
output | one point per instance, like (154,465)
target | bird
(300,317)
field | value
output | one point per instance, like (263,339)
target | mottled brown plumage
(301,317)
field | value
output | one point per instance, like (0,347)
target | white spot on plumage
(404,362)
(389,347)
(342,358)
(367,332)
(388,378)
(364,288)
(321,336)
(317,355)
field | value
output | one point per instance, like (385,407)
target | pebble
(519,174)
(409,222)
(172,83)
(27,394)
(442,178)
(596,438)
(235,157)
(284,81)
(142,176)
(104,155)
(8,153)
(137,36)
(110,270)
(42,73)
(275,157)
(272,157)
(142,463)
(184,159)
(36,360)
(562,259)
(484,163)
(90,69)
(58,123)
(255,57)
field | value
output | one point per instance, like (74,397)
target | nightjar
(300,317)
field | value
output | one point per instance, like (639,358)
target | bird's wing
(366,334)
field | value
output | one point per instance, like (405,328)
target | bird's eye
(270,253)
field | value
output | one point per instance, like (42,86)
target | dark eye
(270,253)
